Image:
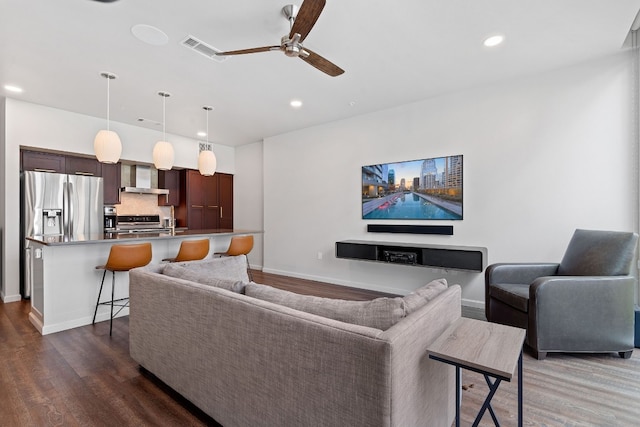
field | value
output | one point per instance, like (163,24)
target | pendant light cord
(164,102)
(108,101)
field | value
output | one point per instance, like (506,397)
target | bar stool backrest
(240,245)
(126,257)
(192,250)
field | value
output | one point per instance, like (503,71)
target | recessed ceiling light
(296,103)
(150,35)
(12,88)
(493,40)
(202,134)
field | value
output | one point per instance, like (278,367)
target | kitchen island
(66,283)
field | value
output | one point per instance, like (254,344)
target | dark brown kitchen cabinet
(43,162)
(83,166)
(225,200)
(169,180)
(206,202)
(59,163)
(111,183)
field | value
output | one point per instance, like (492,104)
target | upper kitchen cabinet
(74,165)
(83,166)
(111,183)
(169,180)
(42,162)
(206,202)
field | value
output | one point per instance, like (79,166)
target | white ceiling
(393,53)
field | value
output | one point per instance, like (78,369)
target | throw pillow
(230,268)
(380,313)
(423,295)
(200,276)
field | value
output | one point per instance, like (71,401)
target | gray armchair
(583,304)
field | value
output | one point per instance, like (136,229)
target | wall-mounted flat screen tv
(427,189)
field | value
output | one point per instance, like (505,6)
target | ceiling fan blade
(254,50)
(307,16)
(321,63)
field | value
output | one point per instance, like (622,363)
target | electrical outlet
(319,255)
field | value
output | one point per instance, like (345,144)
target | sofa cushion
(228,272)
(423,295)
(514,295)
(380,313)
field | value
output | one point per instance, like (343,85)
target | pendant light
(207,161)
(163,150)
(106,144)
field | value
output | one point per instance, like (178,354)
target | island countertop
(121,237)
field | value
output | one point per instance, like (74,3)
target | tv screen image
(417,189)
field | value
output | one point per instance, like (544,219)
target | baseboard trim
(11,298)
(473,303)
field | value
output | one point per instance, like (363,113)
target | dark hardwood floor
(83,377)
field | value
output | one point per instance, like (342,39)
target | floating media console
(439,256)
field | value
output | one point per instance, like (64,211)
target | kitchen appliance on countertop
(54,204)
(110,219)
(140,224)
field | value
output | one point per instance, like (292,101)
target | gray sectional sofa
(243,355)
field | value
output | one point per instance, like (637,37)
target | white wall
(248,196)
(2,196)
(543,155)
(31,125)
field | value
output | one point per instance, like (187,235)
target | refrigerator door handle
(70,206)
(28,273)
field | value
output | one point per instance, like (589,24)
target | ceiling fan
(300,24)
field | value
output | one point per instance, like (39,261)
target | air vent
(203,49)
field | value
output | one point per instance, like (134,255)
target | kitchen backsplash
(141,204)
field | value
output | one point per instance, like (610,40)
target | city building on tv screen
(417,189)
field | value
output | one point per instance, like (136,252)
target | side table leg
(520,417)
(458,395)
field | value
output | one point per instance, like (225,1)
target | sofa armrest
(422,388)
(581,313)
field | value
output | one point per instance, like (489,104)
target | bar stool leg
(98,301)
(249,269)
(113,288)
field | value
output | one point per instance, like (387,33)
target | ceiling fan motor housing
(291,47)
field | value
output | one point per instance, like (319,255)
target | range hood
(141,182)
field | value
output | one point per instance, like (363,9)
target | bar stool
(191,250)
(121,258)
(240,245)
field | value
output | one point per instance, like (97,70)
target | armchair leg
(625,354)
(540,355)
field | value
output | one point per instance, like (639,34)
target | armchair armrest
(581,313)
(523,273)
(515,273)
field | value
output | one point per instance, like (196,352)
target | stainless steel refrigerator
(55,204)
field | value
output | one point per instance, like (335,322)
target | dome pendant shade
(163,155)
(163,150)
(207,163)
(107,146)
